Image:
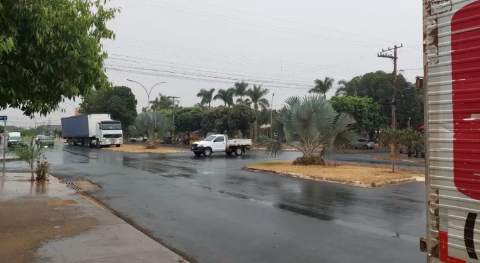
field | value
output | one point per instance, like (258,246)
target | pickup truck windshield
(209,138)
(111,126)
(12,138)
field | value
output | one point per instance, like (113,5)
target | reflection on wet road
(213,211)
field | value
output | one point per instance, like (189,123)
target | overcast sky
(282,45)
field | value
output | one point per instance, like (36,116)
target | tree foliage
(315,122)
(366,113)
(189,119)
(228,120)
(119,102)
(257,97)
(152,124)
(51,50)
(206,95)
(241,90)
(226,96)
(322,86)
(162,102)
(29,152)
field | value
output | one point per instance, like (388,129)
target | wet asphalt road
(213,211)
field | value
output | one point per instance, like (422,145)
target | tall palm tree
(226,96)
(241,89)
(162,102)
(342,90)
(206,95)
(257,95)
(315,122)
(322,86)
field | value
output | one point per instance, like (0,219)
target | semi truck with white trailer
(92,130)
(220,143)
(452,130)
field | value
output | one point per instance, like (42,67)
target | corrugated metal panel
(453,129)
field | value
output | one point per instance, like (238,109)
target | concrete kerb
(340,181)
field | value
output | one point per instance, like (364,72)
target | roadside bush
(43,167)
(309,160)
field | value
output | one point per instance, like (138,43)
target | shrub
(309,160)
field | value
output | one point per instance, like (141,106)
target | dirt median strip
(142,149)
(351,174)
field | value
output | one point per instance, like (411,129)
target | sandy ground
(141,149)
(401,158)
(348,172)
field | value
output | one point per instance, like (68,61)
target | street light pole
(146,91)
(271,117)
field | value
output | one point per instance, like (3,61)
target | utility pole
(394,59)
(173,129)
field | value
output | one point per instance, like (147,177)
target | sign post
(4,119)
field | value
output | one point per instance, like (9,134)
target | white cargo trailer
(452,130)
(92,130)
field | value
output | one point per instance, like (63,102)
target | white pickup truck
(220,143)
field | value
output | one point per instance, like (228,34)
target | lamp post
(271,117)
(146,91)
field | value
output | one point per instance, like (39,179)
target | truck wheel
(207,152)
(198,154)
(118,145)
(98,144)
(238,151)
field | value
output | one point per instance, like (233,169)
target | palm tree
(206,95)
(315,122)
(241,89)
(162,102)
(342,90)
(153,124)
(322,86)
(257,95)
(29,152)
(226,96)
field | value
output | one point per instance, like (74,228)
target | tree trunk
(31,169)
(255,127)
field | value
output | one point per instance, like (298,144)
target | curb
(340,181)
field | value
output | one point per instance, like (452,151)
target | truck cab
(109,132)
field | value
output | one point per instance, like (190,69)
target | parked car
(363,143)
(138,139)
(45,141)
(404,149)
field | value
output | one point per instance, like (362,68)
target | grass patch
(400,159)
(347,172)
(141,149)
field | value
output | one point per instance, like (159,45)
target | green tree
(216,120)
(189,119)
(315,122)
(226,96)
(322,86)
(206,95)
(57,132)
(257,94)
(394,139)
(153,124)
(241,90)
(240,118)
(29,152)
(366,113)
(119,102)
(162,102)
(51,50)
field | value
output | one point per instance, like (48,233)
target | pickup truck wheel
(198,154)
(238,151)
(207,152)
(118,145)
(229,153)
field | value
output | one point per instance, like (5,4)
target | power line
(292,22)
(256,24)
